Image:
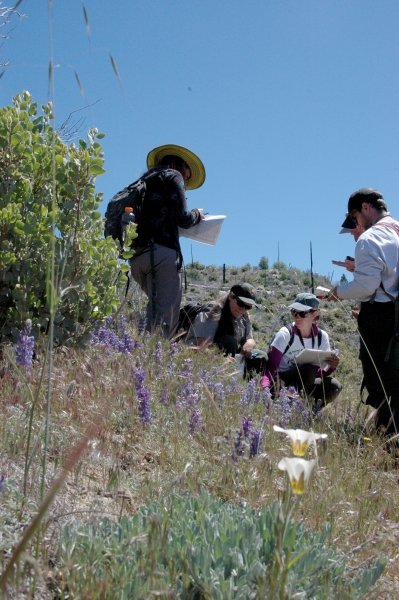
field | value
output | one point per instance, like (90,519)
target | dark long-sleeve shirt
(164,210)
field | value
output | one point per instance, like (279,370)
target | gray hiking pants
(166,278)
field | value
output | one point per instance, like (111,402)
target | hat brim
(346,230)
(248,301)
(194,163)
(299,306)
(349,223)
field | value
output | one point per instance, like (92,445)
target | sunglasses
(241,304)
(300,313)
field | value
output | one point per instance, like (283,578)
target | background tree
(37,167)
(264,263)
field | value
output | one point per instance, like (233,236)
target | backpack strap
(291,340)
(292,336)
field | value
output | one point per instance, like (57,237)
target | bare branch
(70,128)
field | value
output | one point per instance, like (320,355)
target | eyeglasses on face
(241,304)
(301,313)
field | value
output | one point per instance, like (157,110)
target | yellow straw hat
(194,163)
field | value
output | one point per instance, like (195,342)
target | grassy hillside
(175,495)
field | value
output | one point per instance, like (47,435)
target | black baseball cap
(368,195)
(245,292)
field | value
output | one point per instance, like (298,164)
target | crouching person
(226,323)
(314,381)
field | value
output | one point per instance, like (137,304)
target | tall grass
(131,462)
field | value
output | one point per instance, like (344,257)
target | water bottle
(127,217)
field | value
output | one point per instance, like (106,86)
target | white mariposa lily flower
(300,439)
(298,470)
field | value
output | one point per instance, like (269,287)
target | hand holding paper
(206,231)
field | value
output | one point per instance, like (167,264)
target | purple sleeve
(321,371)
(273,364)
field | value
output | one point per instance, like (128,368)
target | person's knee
(227,343)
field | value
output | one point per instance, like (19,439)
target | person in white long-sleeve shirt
(376,284)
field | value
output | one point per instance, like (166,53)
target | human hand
(333,296)
(332,361)
(355,312)
(348,263)
(248,347)
(264,381)
(201,212)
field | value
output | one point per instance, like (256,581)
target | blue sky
(291,105)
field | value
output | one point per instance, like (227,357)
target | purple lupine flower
(317,410)
(246,426)
(288,410)
(128,342)
(143,395)
(122,325)
(164,396)
(195,421)
(24,348)
(158,355)
(239,447)
(233,387)
(249,394)
(141,325)
(188,397)
(2,482)
(214,386)
(255,445)
(173,349)
(241,440)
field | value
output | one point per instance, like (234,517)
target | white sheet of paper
(314,357)
(206,231)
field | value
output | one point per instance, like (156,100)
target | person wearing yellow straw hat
(156,264)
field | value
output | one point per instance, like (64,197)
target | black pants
(381,377)
(307,378)
(254,364)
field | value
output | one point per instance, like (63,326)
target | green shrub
(86,264)
(193,274)
(196,265)
(279,265)
(198,547)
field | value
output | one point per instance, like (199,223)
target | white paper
(322,292)
(206,231)
(313,357)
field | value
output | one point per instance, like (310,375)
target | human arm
(179,212)
(348,263)
(369,266)
(273,363)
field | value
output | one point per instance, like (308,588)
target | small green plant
(199,547)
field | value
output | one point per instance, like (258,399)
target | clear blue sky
(291,105)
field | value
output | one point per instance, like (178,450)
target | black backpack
(187,316)
(133,195)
